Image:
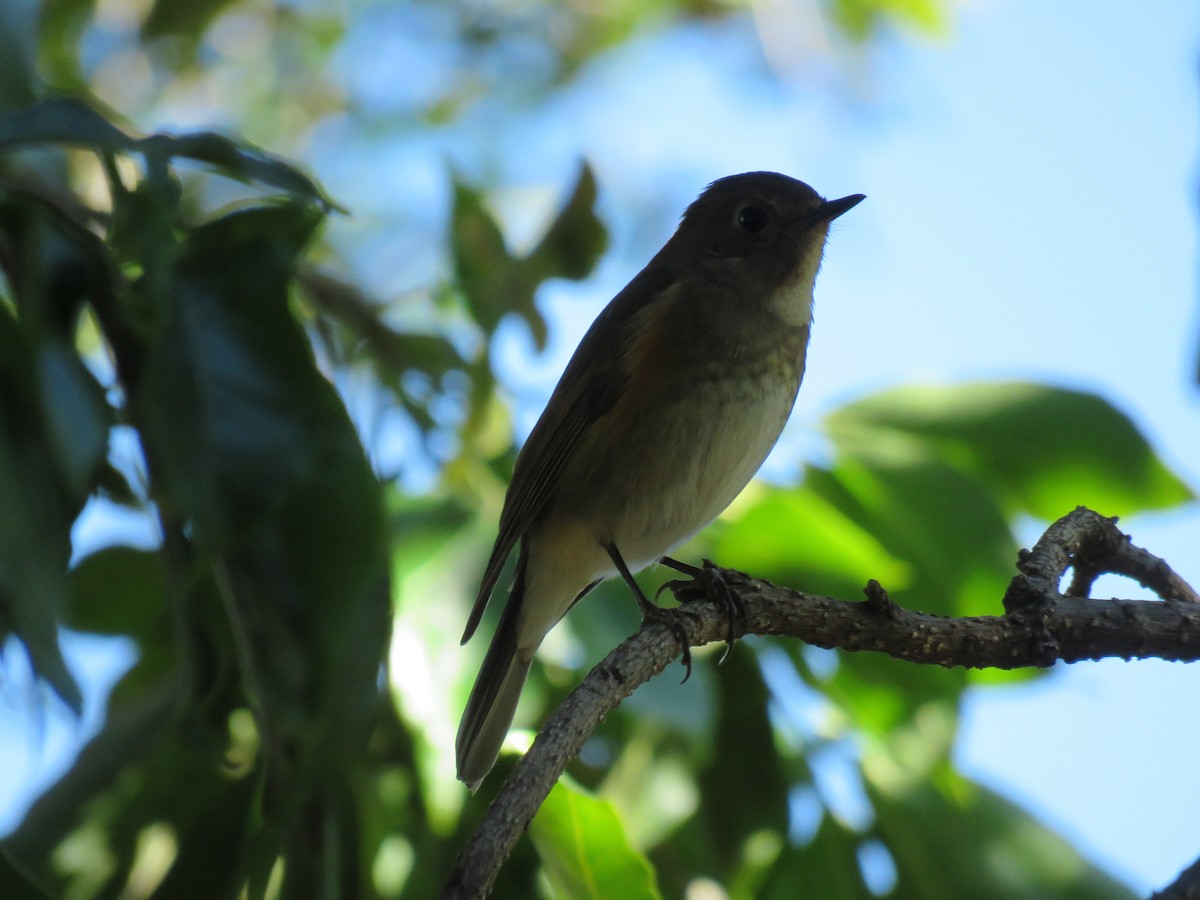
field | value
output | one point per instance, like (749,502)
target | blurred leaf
(181,18)
(62,120)
(65,120)
(255,450)
(958,552)
(1045,450)
(130,735)
(18,38)
(36,513)
(575,239)
(862,19)
(75,416)
(224,383)
(584,848)
(826,867)
(84,836)
(973,843)
(495,282)
(53,263)
(120,591)
(14,885)
(745,743)
(932,476)
(931,534)
(944,524)
(796,536)
(486,272)
(393,353)
(60,24)
(238,160)
(54,420)
(424,525)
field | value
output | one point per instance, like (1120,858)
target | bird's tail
(493,701)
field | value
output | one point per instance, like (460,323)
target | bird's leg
(709,579)
(652,613)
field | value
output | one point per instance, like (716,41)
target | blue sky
(1031,213)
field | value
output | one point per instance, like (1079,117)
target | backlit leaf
(584,848)
(1044,450)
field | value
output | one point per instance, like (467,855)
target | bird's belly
(664,477)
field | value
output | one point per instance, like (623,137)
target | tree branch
(1185,887)
(1041,626)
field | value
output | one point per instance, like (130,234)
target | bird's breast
(686,436)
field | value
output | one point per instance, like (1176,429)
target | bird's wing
(593,381)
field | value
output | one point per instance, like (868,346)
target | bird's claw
(656,615)
(707,582)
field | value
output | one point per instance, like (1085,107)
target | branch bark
(1041,626)
(1185,887)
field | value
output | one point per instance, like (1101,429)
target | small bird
(672,401)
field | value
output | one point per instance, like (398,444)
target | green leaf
(958,554)
(224,382)
(798,537)
(1044,450)
(861,19)
(497,283)
(20,24)
(14,883)
(825,867)
(255,452)
(120,591)
(53,263)
(132,733)
(66,120)
(62,120)
(124,592)
(237,160)
(54,266)
(425,525)
(744,736)
(75,416)
(181,18)
(58,27)
(942,523)
(929,533)
(583,845)
(36,513)
(958,839)
(576,239)
(144,774)
(486,272)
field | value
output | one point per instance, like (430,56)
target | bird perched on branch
(672,401)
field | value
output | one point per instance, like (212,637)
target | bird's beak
(831,209)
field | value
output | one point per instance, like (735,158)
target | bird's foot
(653,614)
(707,583)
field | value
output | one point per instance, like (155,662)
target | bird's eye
(752,219)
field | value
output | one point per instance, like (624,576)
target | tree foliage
(174,319)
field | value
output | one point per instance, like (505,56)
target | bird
(668,407)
